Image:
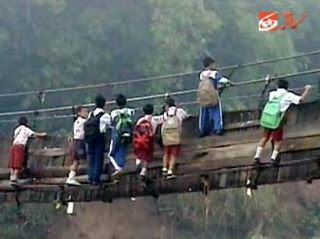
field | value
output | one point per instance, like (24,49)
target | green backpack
(272,115)
(124,127)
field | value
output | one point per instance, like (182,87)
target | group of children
(90,129)
(90,135)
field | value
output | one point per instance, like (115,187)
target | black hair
(207,61)
(23,121)
(170,102)
(78,109)
(100,101)
(121,100)
(283,84)
(148,109)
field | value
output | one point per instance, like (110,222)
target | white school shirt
(128,111)
(181,113)
(105,119)
(154,120)
(22,134)
(215,76)
(78,128)
(288,98)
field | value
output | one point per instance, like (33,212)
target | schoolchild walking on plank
(143,138)
(22,133)
(273,117)
(78,148)
(121,138)
(171,136)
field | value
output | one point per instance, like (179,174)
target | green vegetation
(60,43)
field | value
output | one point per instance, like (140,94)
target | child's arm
(39,135)
(305,93)
(183,114)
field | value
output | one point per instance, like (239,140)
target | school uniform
(146,155)
(17,151)
(174,150)
(96,149)
(79,146)
(287,98)
(211,118)
(118,151)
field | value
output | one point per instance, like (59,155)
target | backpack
(123,126)
(92,128)
(171,130)
(207,95)
(143,135)
(272,115)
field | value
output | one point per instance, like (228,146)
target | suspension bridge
(211,163)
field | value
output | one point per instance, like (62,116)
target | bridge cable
(161,95)
(161,77)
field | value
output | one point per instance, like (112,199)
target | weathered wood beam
(291,171)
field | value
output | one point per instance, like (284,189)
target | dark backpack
(123,126)
(143,135)
(92,128)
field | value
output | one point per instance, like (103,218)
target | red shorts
(276,135)
(172,150)
(144,155)
(17,156)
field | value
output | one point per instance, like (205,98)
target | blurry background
(48,44)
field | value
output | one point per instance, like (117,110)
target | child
(171,136)
(17,151)
(95,129)
(143,140)
(78,151)
(285,100)
(210,119)
(121,134)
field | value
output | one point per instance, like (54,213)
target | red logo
(269,21)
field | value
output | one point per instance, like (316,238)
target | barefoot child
(78,149)
(171,136)
(143,138)
(17,151)
(272,122)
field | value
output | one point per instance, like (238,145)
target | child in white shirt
(22,133)
(171,149)
(78,148)
(287,98)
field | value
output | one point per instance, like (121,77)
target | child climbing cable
(171,136)
(22,133)
(121,134)
(143,138)
(78,148)
(272,119)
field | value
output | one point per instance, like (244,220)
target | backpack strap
(174,114)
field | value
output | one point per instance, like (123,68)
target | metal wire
(146,79)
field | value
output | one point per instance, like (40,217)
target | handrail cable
(180,104)
(162,95)
(146,79)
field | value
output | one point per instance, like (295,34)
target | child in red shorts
(143,138)
(22,133)
(171,136)
(287,98)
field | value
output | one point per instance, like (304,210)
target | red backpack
(143,135)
